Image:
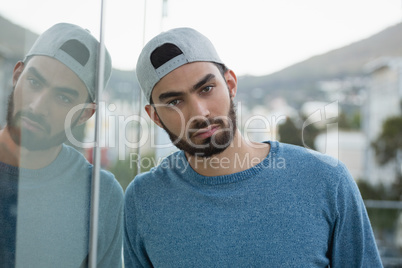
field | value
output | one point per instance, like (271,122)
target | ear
(231,81)
(18,68)
(86,114)
(153,114)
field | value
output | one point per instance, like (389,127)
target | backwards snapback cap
(194,45)
(76,48)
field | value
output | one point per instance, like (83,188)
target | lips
(31,125)
(205,132)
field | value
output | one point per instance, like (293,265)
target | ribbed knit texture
(53,213)
(296,208)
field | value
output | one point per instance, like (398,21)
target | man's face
(194,105)
(45,90)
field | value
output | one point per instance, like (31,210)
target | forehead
(184,77)
(55,73)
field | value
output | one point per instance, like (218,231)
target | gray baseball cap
(194,45)
(76,48)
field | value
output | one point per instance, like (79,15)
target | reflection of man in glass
(45,186)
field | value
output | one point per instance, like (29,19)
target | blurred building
(345,145)
(383,100)
(14,43)
(261,122)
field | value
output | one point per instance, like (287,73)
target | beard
(210,146)
(26,138)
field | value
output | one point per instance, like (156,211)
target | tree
(381,219)
(390,140)
(388,146)
(290,133)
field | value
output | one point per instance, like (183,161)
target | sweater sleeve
(353,242)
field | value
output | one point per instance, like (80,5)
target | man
(46,185)
(223,201)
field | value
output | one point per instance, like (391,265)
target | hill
(298,82)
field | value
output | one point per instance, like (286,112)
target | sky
(253,37)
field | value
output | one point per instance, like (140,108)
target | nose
(199,108)
(39,103)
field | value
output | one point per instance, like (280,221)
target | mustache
(35,118)
(199,124)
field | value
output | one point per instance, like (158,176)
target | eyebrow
(168,95)
(203,81)
(43,80)
(67,90)
(200,83)
(38,75)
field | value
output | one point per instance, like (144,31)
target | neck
(240,155)
(17,156)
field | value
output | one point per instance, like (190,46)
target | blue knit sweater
(44,215)
(296,208)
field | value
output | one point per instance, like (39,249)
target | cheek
(21,91)
(56,120)
(173,119)
(18,97)
(66,118)
(174,124)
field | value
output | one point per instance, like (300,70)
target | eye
(173,102)
(206,89)
(34,83)
(64,98)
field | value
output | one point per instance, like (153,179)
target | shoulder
(319,175)
(304,154)
(110,188)
(312,165)
(109,184)
(68,151)
(71,160)
(306,158)
(106,177)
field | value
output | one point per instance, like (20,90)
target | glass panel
(47,138)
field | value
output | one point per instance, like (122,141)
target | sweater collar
(190,174)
